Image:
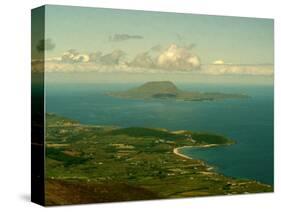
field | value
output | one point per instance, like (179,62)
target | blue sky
(81,39)
(231,39)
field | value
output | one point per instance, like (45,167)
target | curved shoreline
(176,150)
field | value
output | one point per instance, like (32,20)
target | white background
(15,104)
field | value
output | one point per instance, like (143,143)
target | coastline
(176,150)
(169,177)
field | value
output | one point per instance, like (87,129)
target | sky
(80,39)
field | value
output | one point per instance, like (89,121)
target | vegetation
(86,163)
(207,138)
(147,132)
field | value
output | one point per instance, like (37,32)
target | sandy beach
(176,150)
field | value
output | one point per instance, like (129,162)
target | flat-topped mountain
(168,90)
(157,87)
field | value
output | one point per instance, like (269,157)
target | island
(92,163)
(168,90)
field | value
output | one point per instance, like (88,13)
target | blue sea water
(247,121)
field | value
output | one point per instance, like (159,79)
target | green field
(88,163)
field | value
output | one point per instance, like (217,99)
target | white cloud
(232,69)
(72,56)
(178,58)
(174,58)
(218,62)
(194,61)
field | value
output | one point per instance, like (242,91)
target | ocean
(247,121)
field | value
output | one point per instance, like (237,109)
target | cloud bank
(158,59)
(234,69)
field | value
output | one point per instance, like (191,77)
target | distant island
(168,90)
(91,163)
